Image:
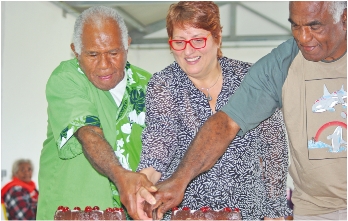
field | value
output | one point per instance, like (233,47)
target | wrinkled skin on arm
(206,148)
(102,157)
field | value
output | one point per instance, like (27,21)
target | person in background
(251,174)
(313,96)
(20,195)
(96,111)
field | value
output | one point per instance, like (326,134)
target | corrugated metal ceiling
(243,21)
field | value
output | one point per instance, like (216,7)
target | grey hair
(336,10)
(15,166)
(97,15)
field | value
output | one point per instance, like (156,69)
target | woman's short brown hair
(198,14)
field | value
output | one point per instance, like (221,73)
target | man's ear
(129,41)
(344,19)
(72,46)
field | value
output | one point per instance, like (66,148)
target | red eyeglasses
(196,43)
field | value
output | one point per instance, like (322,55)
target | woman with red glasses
(251,174)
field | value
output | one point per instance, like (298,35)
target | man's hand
(128,184)
(169,194)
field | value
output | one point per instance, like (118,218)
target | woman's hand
(141,195)
(144,194)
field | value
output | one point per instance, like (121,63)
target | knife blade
(154,214)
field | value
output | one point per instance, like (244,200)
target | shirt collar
(118,91)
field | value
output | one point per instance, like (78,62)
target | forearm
(208,146)
(98,151)
(102,157)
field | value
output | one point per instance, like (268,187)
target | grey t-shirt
(261,90)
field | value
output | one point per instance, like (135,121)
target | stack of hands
(145,201)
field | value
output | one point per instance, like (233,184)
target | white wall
(35,39)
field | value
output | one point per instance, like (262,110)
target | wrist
(182,178)
(117,172)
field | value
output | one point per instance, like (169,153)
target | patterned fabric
(20,205)
(130,123)
(74,126)
(176,109)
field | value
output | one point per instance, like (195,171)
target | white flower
(68,135)
(120,143)
(130,76)
(141,118)
(122,159)
(126,128)
(134,118)
(119,151)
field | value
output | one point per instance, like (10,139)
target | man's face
(314,30)
(103,57)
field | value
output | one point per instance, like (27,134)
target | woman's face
(196,63)
(24,172)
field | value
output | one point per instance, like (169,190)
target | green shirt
(65,176)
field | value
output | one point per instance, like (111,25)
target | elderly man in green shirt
(95,120)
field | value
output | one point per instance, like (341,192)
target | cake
(205,213)
(89,213)
(64,213)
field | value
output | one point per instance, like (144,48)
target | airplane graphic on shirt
(327,103)
(329,100)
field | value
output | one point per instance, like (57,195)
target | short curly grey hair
(97,15)
(336,10)
(15,166)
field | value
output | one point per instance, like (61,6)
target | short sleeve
(69,108)
(260,92)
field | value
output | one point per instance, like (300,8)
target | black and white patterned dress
(176,109)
